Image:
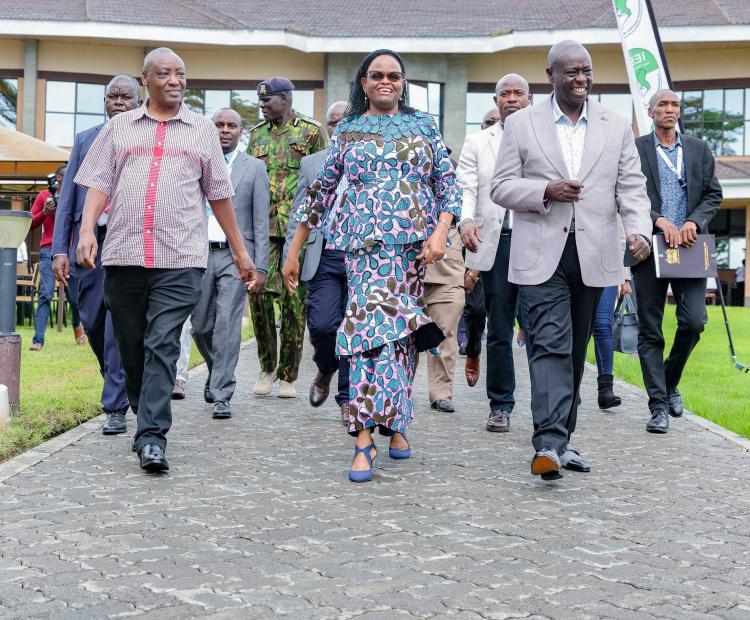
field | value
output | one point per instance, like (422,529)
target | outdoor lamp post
(14,226)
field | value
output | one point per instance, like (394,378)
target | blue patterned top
(673,196)
(400,180)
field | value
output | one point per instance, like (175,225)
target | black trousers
(148,308)
(327,294)
(500,298)
(475,318)
(661,377)
(561,318)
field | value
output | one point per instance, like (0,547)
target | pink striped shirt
(157,176)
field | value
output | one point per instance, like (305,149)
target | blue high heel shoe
(400,454)
(366,474)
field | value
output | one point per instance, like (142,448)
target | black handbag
(625,327)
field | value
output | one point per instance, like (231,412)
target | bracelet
(446,225)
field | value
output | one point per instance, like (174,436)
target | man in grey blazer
(486,232)
(325,274)
(565,166)
(217,318)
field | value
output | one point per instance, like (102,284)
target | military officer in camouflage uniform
(280,141)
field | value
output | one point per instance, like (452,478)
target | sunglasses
(379,76)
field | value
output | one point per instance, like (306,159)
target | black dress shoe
(659,422)
(498,422)
(319,389)
(546,463)
(444,405)
(222,410)
(572,460)
(674,398)
(153,458)
(207,393)
(115,423)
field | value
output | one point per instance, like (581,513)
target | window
(244,102)
(720,117)
(427,97)
(8,102)
(478,104)
(71,108)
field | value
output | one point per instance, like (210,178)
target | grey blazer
(252,203)
(309,167)
(530,157)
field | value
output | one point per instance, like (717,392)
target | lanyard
(678,170)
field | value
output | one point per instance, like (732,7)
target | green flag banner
(647,71)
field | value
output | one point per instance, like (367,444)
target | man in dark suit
(217,319)
(324,272)
(122,95)
(685,195)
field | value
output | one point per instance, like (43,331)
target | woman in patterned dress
(392,220)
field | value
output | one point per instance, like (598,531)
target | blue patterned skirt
(386,323)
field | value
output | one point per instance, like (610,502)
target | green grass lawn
(60,388)
(710,386)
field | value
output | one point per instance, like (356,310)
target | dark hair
(358,102)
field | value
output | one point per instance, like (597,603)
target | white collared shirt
(215,232)
(571,137)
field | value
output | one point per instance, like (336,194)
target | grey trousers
(217,322)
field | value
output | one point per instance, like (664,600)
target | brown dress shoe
(319,389)
(472,371)
(499,422)
(345,414)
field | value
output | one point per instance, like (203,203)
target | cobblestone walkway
(257,519)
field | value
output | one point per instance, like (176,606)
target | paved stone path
(257,519)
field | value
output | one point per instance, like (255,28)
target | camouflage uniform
(281,147)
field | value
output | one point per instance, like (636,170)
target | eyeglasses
(379,76)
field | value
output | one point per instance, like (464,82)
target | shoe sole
(287,395)
(657,431)
(178,397)
(610,405)
(551,475)
(492,429)
(118,431)
(221,416)
(575,468)
(676,415)
(544,465)
(155,468)
(258,392)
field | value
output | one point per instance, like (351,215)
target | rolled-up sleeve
(99,167)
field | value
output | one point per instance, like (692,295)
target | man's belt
(217,245)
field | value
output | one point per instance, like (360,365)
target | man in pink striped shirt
(155,166)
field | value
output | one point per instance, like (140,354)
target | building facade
(55,60)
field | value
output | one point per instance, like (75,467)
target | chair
(27,287)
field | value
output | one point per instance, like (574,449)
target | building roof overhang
(303,42)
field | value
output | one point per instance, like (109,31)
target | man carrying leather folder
(685,195)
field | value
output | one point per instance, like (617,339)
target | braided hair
(358,102)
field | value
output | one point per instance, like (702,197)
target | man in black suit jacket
(123,93)
(685,195)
